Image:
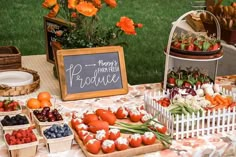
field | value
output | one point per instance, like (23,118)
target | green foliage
(22,26)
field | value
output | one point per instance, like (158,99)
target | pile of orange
(42,100)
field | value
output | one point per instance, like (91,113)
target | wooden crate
(58,144)
(10,57)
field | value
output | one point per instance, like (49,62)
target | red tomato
(114,134)
(88,137)
(74,122)
(190,47)
(160,128)
(96,125)
(82,134)
(135,116)
(81,127)
(135,140)
(121,113)
(106,115)
(148,138)
(93,146)
(121,143)
(102,135)
(89,118)
(108,146)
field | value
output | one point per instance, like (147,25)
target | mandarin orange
(44,96)
(33,103)
(45,103)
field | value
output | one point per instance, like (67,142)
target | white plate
(15,78)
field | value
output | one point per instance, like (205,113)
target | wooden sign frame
(60,58)
(56,23)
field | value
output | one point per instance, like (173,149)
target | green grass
(22,26)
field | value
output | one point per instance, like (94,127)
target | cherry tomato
(82,134)
(88,137)
(93,146)
(121,143)
(135,140)
(148,138)
(135,116)
(121,113)
(108,146)
(102,135)
(114,134)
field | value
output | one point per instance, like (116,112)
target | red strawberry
(187,84)
(171,81)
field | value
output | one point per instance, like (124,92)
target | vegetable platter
(189,112)
(121,132)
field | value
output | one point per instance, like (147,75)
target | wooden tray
(124,153)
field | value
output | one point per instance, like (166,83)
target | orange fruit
(45,103)
(33,103)
(44,96)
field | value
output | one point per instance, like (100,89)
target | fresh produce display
(14,120)
(122,129)
(47,115)
(7,105)
(195,43)
(20,136)
(187,78)
(57,131)
(186,100)
(42,100)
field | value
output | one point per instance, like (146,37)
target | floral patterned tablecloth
(218,145)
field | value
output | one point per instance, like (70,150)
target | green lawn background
(21,25)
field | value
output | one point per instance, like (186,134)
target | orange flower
(86,8)
(54,11)
(127,25)
(111,3)
(97,3)
(72,4)
(49,3)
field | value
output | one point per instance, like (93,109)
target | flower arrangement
(85,29)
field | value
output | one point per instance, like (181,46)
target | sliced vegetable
(96,125)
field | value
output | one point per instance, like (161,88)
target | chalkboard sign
(52,27)
(91,72)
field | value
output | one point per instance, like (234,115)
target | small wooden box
(22,150)
(10,58)
(58,144)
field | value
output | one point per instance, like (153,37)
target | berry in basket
(57,131)
(47,115)
(7,105)
(20,136)
(14,120)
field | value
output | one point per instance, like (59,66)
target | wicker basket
(10,58)
(21,90)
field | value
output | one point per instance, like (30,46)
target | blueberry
(58,135)
(53,135)
(52,129)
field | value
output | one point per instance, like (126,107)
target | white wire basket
(192,125)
